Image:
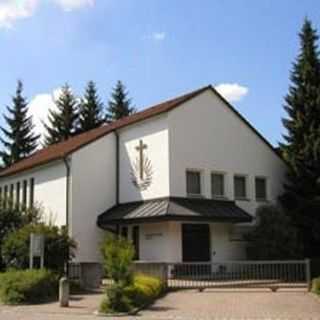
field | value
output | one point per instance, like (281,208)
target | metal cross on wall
(140,149)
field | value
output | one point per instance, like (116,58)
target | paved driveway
(185,305)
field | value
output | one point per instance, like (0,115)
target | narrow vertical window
(24,192)
(261,189)
(11,199)
(136,240)
(5,195)
(193,183)
(0,193)
(31,193)
(18,193)
(217,184)
(240,187)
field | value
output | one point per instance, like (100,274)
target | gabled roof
(174,208)
(61,150)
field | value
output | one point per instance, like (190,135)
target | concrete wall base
(91,275)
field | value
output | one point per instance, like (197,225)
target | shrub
(118,256)
(13,217)
(274,229)
(59,248)
(144,290)
(30,286)
(316,285)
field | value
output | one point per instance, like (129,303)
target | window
(11,192)
(31,194)
(24,192)
(5,195)
(136,242)
(240,187)
(0,193)
(261,188)
(18,193)
(217,184)
(194,183)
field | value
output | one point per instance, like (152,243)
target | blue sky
(159,49)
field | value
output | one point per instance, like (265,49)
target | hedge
(143,291)
(30,286)
(316,285)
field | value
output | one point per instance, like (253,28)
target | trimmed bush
(316,285)
(143,291)
(30,286)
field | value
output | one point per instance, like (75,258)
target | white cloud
(159,36)
(12,10)
(39,107)
(69,5)
(232,91)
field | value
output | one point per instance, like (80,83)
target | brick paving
(188,304)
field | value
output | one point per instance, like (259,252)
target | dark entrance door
(195,243)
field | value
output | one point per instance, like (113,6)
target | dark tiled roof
(63,149)
(174,208)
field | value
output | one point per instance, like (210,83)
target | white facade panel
(204,134)
(49,190)
(93,190)
(154,135)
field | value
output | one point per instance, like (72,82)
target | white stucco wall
(163,242)
(49,190)
(154,133)
(93,190)
(205,134)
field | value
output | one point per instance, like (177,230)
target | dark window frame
(31,192)
(220,174)
(24,192)
(18,192)
(192,194)
(265,196)
(245,179)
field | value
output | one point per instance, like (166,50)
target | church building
(182,180)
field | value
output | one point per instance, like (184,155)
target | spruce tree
(19,140)
(90,113)
(62,123)
(119,104)
(302,141)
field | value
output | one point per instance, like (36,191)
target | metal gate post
(308,274)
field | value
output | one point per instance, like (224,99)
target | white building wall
(154,133)
(205,134)
(49,190)
(93,190)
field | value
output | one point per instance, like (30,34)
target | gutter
(67,164)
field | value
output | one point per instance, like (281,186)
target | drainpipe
(117,168)
(67,164)
(117,174)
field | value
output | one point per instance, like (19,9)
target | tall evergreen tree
(90,113)
(62,123)
(19,140)
(119,104)
(302,141)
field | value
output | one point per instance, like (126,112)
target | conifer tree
(302,141)
(19,140)
(119,104)
(90,113)
(62,123)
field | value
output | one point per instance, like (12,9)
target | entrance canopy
(173,209)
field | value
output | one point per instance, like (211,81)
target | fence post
(308,274)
